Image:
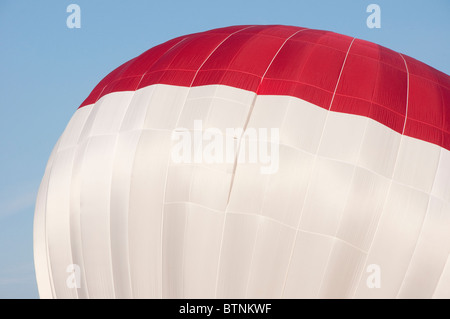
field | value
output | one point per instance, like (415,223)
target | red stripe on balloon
(373,82)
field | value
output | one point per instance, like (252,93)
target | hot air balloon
(354,201)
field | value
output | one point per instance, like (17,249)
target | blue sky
(47,70)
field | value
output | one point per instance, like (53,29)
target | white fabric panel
(229,108)
(179,179)
(86,131)
(307,265)
(71,135)
(75,216)
(210,187)
(270,258)
(379,149)
(395,240)
(70,139)
(441,186)
(58,222)
(40,245)
(344,267)
(342,136)
(58,211)
(268,111)
(430,254)
(201,255)
(303,124)
(145,213)
(204,91)
(194,110)
(224,113)
(286,189)
(326,196)
(362,211)
(119,211)
(173,249)
(420,172)
(248,190)
(137,110)
(443,288)
(238,242)
(95,215)
(110,113)
(165,107)
(227,92)
(41,262)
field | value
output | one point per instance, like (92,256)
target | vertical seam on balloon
(117,134)
(137,146)
(206,59)
(87,139)
(129,191)
(191,182)
(258,229)
(317,155)
(129,197)
(357,280)
(310,176)
(186,224)
(69,219)
(69,228)
(437,168)
(440,276)
(46,235)
(443,118)
(415,247)
(355,165)
(70,214)
(340,74)
(128,213)
(80,244)
(391,179)
(252,105)
(71,233)
(407,93)
(170,49)
(49,269)
(168,160)
(429,194)
(39,241)
(235,166)
(109,220)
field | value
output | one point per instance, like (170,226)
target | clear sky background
(47,70)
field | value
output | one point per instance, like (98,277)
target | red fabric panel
(309,64)
(136,66)
(391,88)
(351,98)
(446,110)
(307,67)
(426,104)
(179,65)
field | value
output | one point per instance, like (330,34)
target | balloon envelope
(354,201)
